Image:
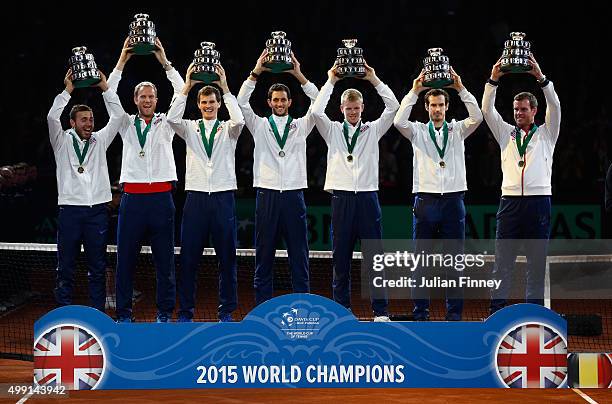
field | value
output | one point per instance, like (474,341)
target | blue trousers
(207,214)
(439,216)
(354,216)
(87,225)
(280,214)
(143,215)
(521,217)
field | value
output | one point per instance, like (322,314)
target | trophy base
(348,75)
(143,49)
(279,67)
(207,78)
(515,68)
(86,82)
(440,83)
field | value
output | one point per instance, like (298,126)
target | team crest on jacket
(69,355)
(364,128)
(532,355)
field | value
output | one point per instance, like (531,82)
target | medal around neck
(350,60)
(204,61)
(279,53)
(84,69)
(437,69)
(515,57)
(142,35)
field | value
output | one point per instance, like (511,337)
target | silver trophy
(349,60)
(515,57)
(279,53)
(437,69)
(204,61)
(142,35)
(84,69)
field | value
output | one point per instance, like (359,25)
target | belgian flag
(589,370)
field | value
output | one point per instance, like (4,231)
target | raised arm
(491,116)
(391,103)
(53,117)
(177,108)
(244,95)
(236,122)
(117,115)
(553,106)
(474,118)
(322,121)
(309,88)
(173,75)
(402,118)
(124,56)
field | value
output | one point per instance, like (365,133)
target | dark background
(570,43)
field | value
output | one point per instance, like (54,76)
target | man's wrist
(167,65)
(254,74)
(492,81)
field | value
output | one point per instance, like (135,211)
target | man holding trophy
(83,190)
(210,181)
(527,158)
(148,174)
(438,179)
(279,172)
(352,178)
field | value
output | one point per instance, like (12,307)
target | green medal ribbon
(280,140)
(522,147)
(208,143)
(432,134)
(351,145)
(75,144)
(142,136)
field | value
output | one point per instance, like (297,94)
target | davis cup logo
(70,356)
(532,355)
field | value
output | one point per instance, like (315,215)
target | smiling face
(209,106)
(524,114)
(146,101)
(83,124)
(279,102)
(352,111)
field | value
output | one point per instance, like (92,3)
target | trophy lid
(141,16)
(207,45)
(278,34)
(349,43)
(435,51)
(79,50)
(517,36)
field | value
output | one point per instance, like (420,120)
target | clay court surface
(13,371)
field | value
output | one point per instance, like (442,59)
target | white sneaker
(110,302)
(382,319)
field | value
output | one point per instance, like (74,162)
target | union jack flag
(68,356)
(532,355)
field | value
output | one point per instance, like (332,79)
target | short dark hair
(533,101)
(208,90)
(434,92)
(278,87)
(79,108)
